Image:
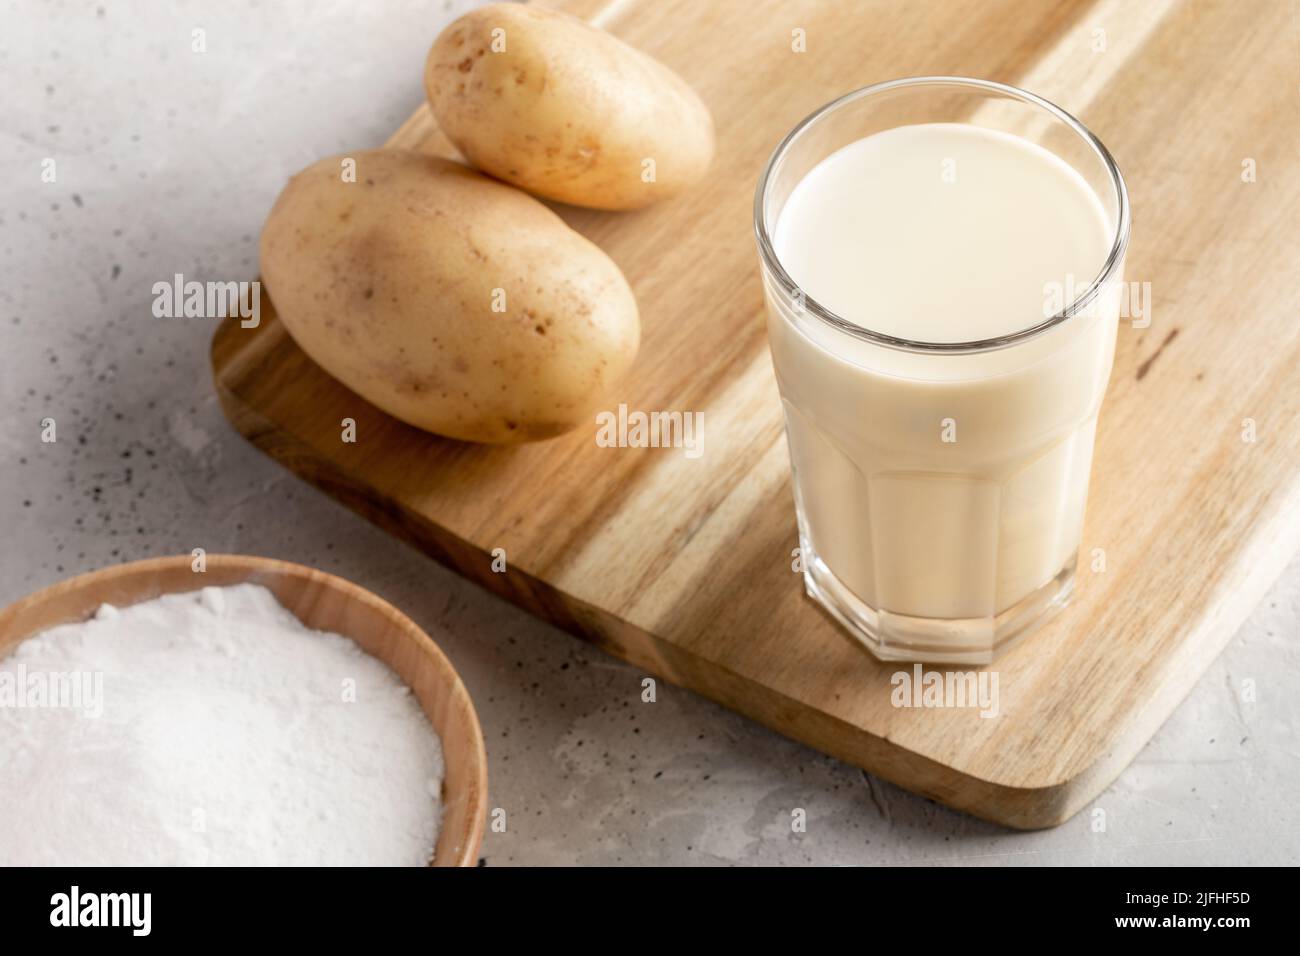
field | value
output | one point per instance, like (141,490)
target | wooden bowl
(324,602)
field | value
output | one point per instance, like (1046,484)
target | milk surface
(941,232)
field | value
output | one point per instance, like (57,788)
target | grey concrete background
(167,161)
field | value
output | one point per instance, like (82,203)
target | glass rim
(773,263)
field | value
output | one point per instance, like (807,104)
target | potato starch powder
(228,733)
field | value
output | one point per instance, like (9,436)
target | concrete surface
(167,161)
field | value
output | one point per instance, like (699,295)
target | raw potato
(389,284)
(565,110)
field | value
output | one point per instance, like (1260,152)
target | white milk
(941,233)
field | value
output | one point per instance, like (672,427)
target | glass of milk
(942,260)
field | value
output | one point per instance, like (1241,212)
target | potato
(562,109)
(453,302)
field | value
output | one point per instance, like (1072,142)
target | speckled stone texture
(167,161)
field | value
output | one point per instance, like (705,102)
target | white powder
(229,734)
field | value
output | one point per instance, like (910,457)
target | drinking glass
(923,550)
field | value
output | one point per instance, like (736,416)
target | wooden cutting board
(684,566)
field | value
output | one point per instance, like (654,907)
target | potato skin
(566,111)
(388,284)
